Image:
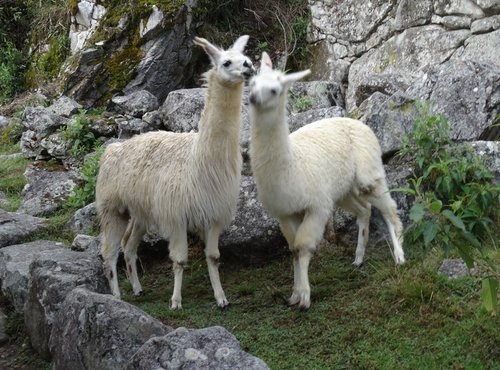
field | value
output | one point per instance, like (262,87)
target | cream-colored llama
(175,182)
(301,176)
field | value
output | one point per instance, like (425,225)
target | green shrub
(301,103)
(85,194)
(10,71)
(456,201)
(78,133)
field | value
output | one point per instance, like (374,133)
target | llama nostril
(252,99)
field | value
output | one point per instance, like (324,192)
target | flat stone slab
(16,227)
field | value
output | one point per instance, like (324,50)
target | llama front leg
(178,248)
(288,228)
(307,238)
(212,255)
(130,242)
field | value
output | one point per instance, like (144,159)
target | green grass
(12,181)
(378,316)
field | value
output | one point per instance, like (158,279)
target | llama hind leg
(212,255)
(388,208)
(130,242)
(306,240)
(113,228)
(178,250)
(362,210)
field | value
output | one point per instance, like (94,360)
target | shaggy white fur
(175,182)
(301,176)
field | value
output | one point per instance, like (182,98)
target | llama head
(269,87)
(231,65)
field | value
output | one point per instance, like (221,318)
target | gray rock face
(14,268)
(465,7)
(209,348)
(162,65)
(52,277)
(352,20)
(88,244)
(182,109)
(41,121)
(130,126)
(253,232)
(84,220)
(46,190)
(17,227)
(105,332)
(463,91)
(402,57)
(64,106)
(482,48)
(489,151)
(165,65)
(136,104)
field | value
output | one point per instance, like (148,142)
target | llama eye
(274,92)
(227,63)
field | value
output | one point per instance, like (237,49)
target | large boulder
(253,234)
(52,277)
(402,58)
(105,332)
(158,61)
(47,189)
(208,348)
(14,268)
(464,92)
(135,104)
(16,227)
(84,220)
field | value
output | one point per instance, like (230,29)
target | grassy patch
(377,316)
(12,181)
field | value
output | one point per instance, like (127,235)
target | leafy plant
(456,201)
(78,133)
(302,103)
(10,71)
(85,193)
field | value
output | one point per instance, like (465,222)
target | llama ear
(292,77)
(239,45)
(266,65)
(212,51)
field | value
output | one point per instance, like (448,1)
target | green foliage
(78,133)
(302,103)
(85,193)
(12,181)
(456,201)
(279,26)
(10,70)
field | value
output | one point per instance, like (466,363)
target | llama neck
(219,126)
(270,143)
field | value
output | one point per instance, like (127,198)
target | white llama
(301,176)
(175,182)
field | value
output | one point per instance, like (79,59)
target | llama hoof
(400,260)
(357,263)
(293,300)
(222,303)
(176,305)
(304,306)
(140,293)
